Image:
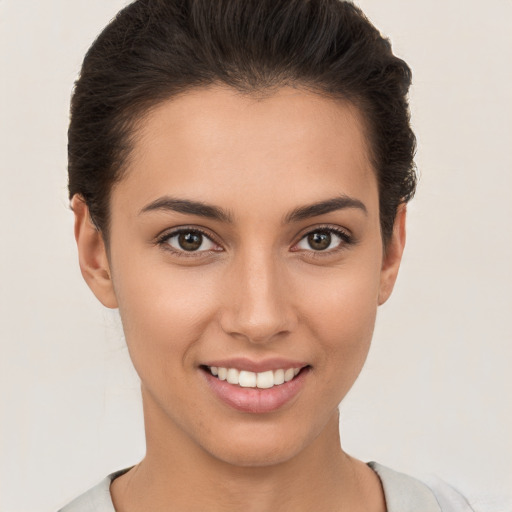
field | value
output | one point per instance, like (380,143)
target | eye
(325,239)
(189,241)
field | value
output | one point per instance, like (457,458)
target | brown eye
(324,239)
(319,240)
(190,241)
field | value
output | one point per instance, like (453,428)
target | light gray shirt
(402,492)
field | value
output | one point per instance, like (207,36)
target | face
(245,250)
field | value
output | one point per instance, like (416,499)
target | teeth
(278,377)
(289,374)
(233,376)
(265,380)
(246,379)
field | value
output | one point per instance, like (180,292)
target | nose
(257,302)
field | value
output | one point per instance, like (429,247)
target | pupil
(319,240)
(190,241)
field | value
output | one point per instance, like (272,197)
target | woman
(239,173)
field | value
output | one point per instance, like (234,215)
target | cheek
(341,314)
(164,312)
(344,299)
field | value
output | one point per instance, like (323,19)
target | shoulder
(404,493)
(97,499)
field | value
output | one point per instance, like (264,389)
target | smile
(252,387)
(247,379)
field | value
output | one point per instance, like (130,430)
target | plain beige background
(435,395)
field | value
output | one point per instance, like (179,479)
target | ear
(92,254)
(392,256)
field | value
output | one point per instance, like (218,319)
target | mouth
(247,379)
(256,391)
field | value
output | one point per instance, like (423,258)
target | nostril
(260,311)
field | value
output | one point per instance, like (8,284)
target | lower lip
(255,400)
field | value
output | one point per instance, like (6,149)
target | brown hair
(155,49)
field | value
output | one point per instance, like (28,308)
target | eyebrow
(330,205)
(201,209)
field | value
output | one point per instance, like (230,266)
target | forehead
(216,144)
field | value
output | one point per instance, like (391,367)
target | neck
(178,472)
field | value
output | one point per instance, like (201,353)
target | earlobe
(92,254)
(393,256)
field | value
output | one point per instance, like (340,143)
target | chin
(262,445)
(255,455)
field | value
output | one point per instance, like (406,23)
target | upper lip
(251,365)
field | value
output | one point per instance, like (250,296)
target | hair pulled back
(155,49)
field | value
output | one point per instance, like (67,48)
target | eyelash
(346,240)
(162,240)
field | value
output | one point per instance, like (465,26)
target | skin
(257,290)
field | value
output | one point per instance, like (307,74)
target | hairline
(134,118)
